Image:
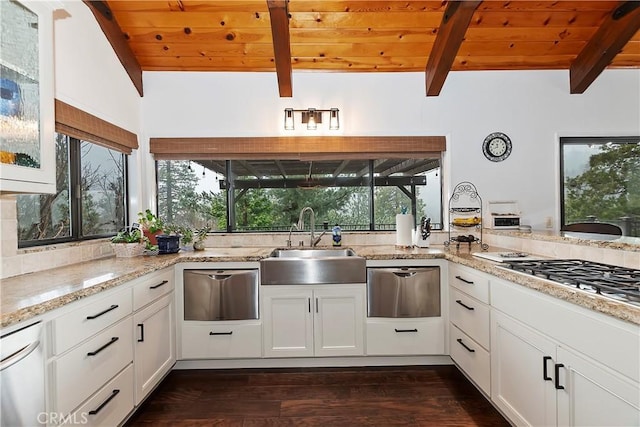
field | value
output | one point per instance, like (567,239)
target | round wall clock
(496,147)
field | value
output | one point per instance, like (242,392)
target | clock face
(496,147)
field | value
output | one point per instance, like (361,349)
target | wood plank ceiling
(378,36)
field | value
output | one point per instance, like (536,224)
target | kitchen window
(600,181)
(90,198)
(91,182)
(268,195)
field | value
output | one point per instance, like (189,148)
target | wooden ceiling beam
(281,45)
(450,35)
(614,33)
(115,36)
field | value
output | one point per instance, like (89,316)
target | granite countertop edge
(132,269)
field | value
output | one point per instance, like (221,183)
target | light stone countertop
(582,239)
(29,295)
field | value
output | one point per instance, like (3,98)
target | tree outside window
(266,198)
(601,181)
(99,210)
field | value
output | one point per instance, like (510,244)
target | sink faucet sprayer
(290,231)
(313,241)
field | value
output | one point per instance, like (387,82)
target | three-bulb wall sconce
(311,117)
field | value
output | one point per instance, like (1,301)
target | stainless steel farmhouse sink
(312,267)
(312,253)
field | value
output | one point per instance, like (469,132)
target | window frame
(75,205)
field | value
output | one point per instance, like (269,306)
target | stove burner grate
(604,279)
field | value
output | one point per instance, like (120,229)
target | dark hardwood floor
(372,396)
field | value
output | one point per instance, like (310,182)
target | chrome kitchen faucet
(313,241)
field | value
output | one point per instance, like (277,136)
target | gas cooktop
(619,283)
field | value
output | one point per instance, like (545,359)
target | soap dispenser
(337,235)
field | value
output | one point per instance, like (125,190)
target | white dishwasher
(22,377)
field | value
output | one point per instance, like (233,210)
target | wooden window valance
(297,148)
(79,124)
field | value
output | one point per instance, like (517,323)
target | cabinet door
(519,386)
(339,321)
(27,102)
(593,395)
(287,321)
(155,345)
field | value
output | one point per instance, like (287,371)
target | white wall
(89,76)
(533,107)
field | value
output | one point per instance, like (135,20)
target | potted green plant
(128,243)
(200,236)
(186,236)
(151,225)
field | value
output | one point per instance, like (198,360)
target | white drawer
(471,316)
(472,358)
(232,339)
(391,337)
(89,319)
(86,368)
(152,287)
(470,281)
(110,405)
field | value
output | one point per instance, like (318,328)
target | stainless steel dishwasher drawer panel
(220,294)
(403,292)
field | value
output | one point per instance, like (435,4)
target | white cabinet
(92,345)
(155,345)
(109,405)
(154,324)
(469,315)
(553,363)
(92,316)
(404,337)
(86,368)
(27,104)
(339,321)
(222,339)
(287,321)
(472,282)
(522,365)
(106,357)
(588,388)
(304,321)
